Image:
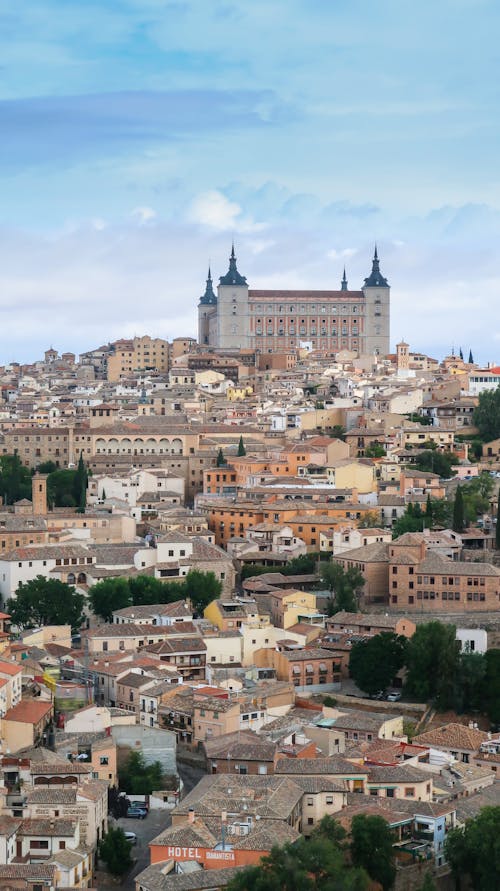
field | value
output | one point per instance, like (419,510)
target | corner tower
(233,318)
(377,295)
(207,312)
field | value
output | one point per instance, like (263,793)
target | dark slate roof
(208,298)
(232,276)
(376,279)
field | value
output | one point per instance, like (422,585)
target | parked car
(131,837)
(140,813)
(142,805)
(395,696)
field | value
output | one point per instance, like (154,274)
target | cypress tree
(220,458)
(461,354)
(471,360)
(241,448)
(428,511)
(458,511)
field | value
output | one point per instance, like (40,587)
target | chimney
(191,815)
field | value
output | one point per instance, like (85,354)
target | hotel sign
(176,852)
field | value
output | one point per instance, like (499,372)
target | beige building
(214,717)
(140,354)
(349,474)
(280,321)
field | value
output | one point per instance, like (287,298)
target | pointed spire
(343,286)
(376,279)
(232,276)
(209,297)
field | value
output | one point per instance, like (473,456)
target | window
(409,791)
(104,759)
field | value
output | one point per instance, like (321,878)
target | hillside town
(249,583)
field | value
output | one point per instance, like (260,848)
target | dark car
(140,813)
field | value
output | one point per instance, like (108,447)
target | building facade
(280,321)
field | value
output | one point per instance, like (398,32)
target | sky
(139,137)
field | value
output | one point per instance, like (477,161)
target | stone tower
(377,295)
(402,357)
(39,496)
(233,318)
(207,311)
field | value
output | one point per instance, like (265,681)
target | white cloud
(213,209)
(99,224)
(344,254)
(143,215)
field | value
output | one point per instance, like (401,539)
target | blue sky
(138,137)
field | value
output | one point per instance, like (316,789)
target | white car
(393,697)
(131,837)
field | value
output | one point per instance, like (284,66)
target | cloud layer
(138,138)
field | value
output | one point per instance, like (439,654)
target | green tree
(343,584)
(432,660)
(61,488)
(375,450)
(145,589)
(473,850)
(369,520)
(15,479)
(476,496)
(46,467)
(319,863)
(432,461)
(304,564)
(241,448)
(337,432)
(442,512)
(428,511)
(372,848)
(375,661)
(136,777)
(221,461)
(109,595)
(202,588)
(114,850)
(43,601)
(497,529)
(487,415)
(458,524)
(491,687)
(411,521)
(470,682)
(471,358)
(80,484)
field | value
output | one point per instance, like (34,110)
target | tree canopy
(372,848)
(375,661)
(109,595)
(432,659)
(15,479)
(487,415)
(117,593)
(458,524)
(136,777)
(44,601)
(473,850)
(114,850)
(320,863)
(434,461)
(343,584)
